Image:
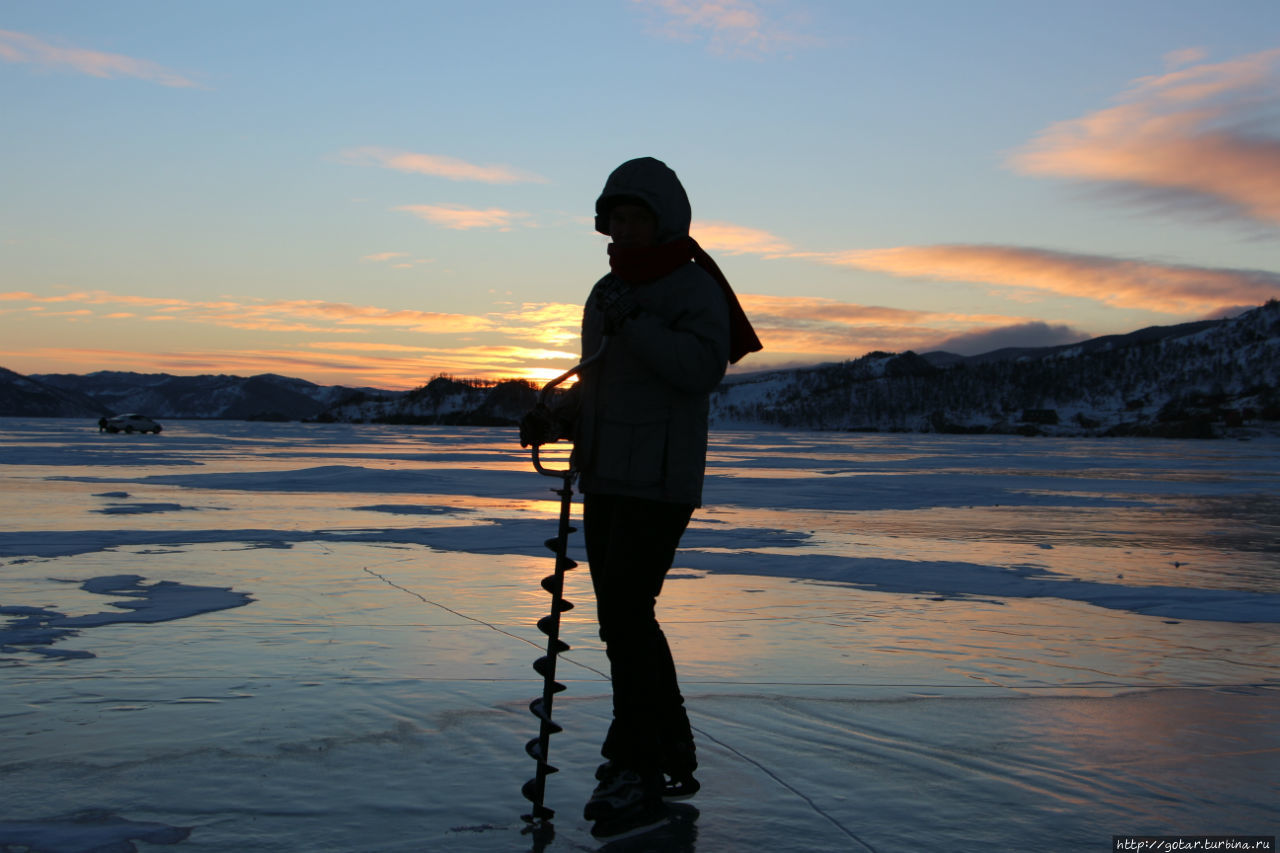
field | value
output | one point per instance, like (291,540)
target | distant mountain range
(160,395)
(1193,379)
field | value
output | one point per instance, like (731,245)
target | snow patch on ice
(970,581)
(87,832)
(37,628)
(483,536)
(349,479)
(524,536)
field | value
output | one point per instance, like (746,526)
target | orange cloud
(24,48)
(738,27)
(461,218)
(1169,288)
(555,324)
(302,315)
(384,372)
(476,362)
(490,346)
(1190,139)
(1186,56)
(821,310)
(806,328)
(389,370)
(438,165)
(345,314)
(737,239)
(87,297)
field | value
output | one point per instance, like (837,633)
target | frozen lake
(287,637)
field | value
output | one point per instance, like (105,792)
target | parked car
(129,423)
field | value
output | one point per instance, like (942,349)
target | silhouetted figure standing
(638,418)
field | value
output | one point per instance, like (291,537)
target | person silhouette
(638,419)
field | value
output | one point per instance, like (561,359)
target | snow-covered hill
(441,401)
(1186,380)
(29,397)
(160,395)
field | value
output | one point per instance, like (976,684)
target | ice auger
(535,789)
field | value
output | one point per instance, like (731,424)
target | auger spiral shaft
(535,789)
(538,748)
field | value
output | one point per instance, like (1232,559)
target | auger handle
(545,394)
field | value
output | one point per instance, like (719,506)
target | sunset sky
(375,193)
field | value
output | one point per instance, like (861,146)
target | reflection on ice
(887,642)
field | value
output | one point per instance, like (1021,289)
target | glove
(617,300)
(539,426)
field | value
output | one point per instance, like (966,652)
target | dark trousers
(631,543)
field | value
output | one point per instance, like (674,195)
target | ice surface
(319,637)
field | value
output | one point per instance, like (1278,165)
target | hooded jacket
(640,426)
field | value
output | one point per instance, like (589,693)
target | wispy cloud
(733,27)
(365,316)
(325,341)
(462,218)
(438,165)
(817,309)
(737,239)
(1196,139)
(396,260)
(380,371)
(24,48)
(552,324)
(806,328)
(371,364)
(476,362)
(1124,283)
(1186,56)
(301,315)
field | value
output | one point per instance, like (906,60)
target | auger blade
(556,646)
(535,708)
(553,584)
(550,625)
(554,542)
(534,748)
(556,687)
(543,667)
(530,791)
(565,604)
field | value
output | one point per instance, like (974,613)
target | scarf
(638,265)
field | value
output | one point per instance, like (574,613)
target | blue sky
(376,193)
